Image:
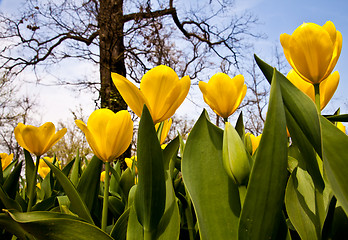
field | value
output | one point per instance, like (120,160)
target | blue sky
(275,16)
(284,16)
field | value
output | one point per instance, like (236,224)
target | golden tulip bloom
(313,50)
(5,160)
(102,176)
(165,129)
(341,127)
(160,89)
(108,134)
(43,168)
(130,162)
(327,87)
(255,141)
(223,94)
(38,140)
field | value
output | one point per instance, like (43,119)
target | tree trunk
(111,52)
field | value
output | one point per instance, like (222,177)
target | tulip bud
(235,156)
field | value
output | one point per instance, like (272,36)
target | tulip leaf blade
(300,204)
(11,182)
(77,204)
(88,185)
(302,121)
(335,157)
(217,208)
(268,176)
(150,194)
(61,226)
(300,106)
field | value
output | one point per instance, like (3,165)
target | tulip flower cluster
(220,183)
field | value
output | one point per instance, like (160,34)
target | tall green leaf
(335,159)
(12,181)
(150,196)
(77,204)
(265,193)
(300,205)
(302,120)
(88,185)
(214,195)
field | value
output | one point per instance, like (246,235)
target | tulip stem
(317,96)
(33,184)
(106,197)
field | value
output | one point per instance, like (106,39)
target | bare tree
(124,36)
(14,108)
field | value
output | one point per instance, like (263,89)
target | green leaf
(299,105)
(116,206)
(169,226)
(302,120)
(88,186)
(134,229)
(170,151)
(335,156)
(150,195)
(56,226)
(12,181)
(240,126)
(214,195)
(8,224)
(8,202)
(262,207)
(119,231)
(75,172)
(77,204)
(337,118)
(29,169)
(300,204)
(8,169)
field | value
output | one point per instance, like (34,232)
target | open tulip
(5,160)
(223,94)
(313,50)
(38,140)
(108,134)
(160,89)
(327,87)
(165,129)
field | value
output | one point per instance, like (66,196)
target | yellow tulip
(38,140)
(313,50)
(255,141)
(5,160)
(341,127)
(327,87)
(165,129)
(160,89)
(102,176)
(223,94)
(108,134)
(130,162)
(44,169)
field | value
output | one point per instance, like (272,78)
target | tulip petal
(130,93)
(90,138)
(301,84)
(19,137)
(174,99)
(336,53)
(331,29)
(55,138)
(119,133)
(311,51)
(327,88)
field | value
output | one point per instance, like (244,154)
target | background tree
(14,108)
(124,36)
